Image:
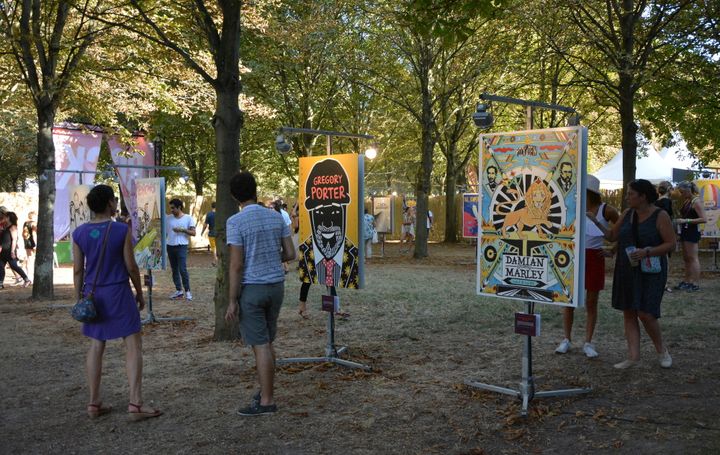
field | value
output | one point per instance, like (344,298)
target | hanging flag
(141,154)
(75,150)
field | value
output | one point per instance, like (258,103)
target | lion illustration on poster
(535,212)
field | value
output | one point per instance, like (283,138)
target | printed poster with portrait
(80,213)
(710,197)
(384,212)
(470,216)
(150,227)
(331,208)
(532,203)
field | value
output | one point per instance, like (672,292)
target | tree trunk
(626,93)
(422,188)
(629,134)
(451,227)
(43,280)
(228,122)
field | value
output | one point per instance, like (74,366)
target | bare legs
(133,368)
(692,262)
(93,369)
(591,302)
(265,364)
(632,319)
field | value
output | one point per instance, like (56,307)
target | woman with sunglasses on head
(644,232)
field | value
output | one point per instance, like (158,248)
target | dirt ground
(424,332)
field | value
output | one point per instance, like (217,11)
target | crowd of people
(260,245)
(645,238)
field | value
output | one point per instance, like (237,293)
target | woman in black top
(8,253)
(691,214)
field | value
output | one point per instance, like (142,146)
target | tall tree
(206,37)
(47,39)
(629,37)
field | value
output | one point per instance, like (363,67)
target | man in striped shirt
(259,242)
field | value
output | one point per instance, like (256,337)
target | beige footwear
(625,364)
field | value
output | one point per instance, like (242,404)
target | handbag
(375,236)
(84,310)
(649,264)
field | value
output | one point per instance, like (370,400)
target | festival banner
(75,150)
(331,251)
(384,212)
(150,227)
(141,154)
(470,216)
(532,202)
(710,197)
(79,211)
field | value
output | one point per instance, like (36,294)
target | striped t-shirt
(259,231)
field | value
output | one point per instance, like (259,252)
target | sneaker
(692,287)
(563,347)
(256,409)
(681,286)
(589,350)
(188,295)
(665,359)
(27,283)
(177,295)
(18,282)
(625,364)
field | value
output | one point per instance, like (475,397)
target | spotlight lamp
(482,118)
(184,177)
(371,153)
(282,145)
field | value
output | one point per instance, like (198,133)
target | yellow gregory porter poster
(331,202)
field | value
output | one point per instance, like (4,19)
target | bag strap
(102,255)
(636,236)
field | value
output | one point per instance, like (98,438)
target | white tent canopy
(651,167)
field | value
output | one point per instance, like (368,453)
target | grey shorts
(259,310)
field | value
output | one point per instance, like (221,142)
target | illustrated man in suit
(565,180)
(491,173)
(327,256)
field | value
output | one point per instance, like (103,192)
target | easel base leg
(526,396)
(327,359)
(151,319)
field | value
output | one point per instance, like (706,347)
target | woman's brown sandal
(137,414)
(96,410)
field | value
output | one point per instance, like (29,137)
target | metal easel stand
(151,319)
(332,352)
(527,383)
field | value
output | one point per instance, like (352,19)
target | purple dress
(117,312)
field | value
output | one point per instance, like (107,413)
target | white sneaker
(188,295)
(589,350)
(563,347)
(625,364)
(177,295)
(665,359)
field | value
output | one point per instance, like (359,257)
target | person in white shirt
(180,227)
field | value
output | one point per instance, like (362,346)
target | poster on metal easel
(331,208)
(150,229)
(531,216)
(710,197)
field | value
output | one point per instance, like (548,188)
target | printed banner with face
(140,153)
(470,215)
(710,197)
(75,150)
(150,226)
(532,199)
(79,211)
(384,212)
(331,209)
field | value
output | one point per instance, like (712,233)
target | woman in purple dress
(118,310)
